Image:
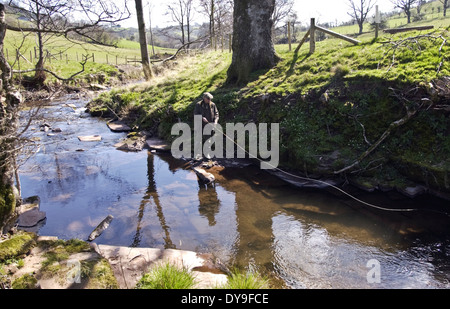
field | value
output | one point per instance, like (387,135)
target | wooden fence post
(312,34)
(303,41)
(93,57)
(377,21)
(289,35)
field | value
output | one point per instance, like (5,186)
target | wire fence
(22,57)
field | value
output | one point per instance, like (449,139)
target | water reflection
(209,204)
(152,196)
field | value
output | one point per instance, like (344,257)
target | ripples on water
(306,239)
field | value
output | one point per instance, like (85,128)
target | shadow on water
(303,238)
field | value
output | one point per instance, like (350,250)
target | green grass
(431,18)
(170,95)
(248,280)
(16,246)
(66,55)
(167,277)
(172,277)
(135,46)
(357,80)
(25,282)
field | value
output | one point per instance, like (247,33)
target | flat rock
(118,126)
(133,144)
(97,87)
(130,264)
(30,216)
(91,138)
(158,145)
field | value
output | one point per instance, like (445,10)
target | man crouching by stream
(207,109)
(209,112)
(209,138)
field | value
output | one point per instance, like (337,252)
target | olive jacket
(208,111)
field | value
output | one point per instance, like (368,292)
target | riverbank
(50,263)
(346,113)
(246,218)
(156,201)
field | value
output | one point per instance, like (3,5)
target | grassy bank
(64,57)
(331,105)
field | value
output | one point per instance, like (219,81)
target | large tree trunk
(9,122)
(143,41)
(253,47)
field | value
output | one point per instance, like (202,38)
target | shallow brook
(299,238)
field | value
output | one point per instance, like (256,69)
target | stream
(301,239)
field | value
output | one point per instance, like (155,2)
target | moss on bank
(94,271)
(331,105)
(16,246)
(7,203)
(60,262)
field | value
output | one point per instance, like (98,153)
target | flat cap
(208,95)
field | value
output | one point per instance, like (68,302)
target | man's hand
(205,120)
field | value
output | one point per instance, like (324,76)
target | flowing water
(299,238)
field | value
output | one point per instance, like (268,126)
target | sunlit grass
(167,277)
(249,280)
(64,57)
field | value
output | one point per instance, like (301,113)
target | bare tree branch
(360,12)
(411,111)
(83,64)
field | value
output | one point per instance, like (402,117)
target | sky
(322,10)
